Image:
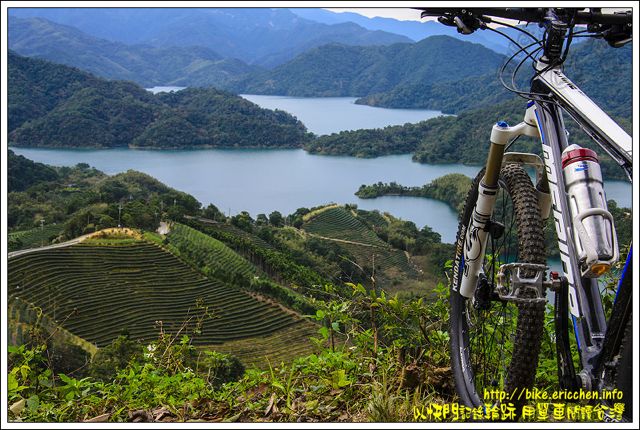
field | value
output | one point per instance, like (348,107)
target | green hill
(83,111)
(144,64)
(360,247)
(586,64)
(24,173)
(96,292)
(340,70)
(451,139)
(81,200)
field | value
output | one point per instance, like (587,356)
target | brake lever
(462,27)
(455,21)
(447,20)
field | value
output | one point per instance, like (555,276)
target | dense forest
(450,139)
(340,70)
(83,199)
(58,106)
(23,173)
(586,64)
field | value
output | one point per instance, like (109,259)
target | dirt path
(345,241)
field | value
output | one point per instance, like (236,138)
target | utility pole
(119,210)
(156,214)
(42,229)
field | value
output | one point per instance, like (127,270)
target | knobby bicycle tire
(623,371)
(616,364)
(526,338)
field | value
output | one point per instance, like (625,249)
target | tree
(261,219)
(105,221)
(276,219)
(212,212)
(243,221)
(175,213)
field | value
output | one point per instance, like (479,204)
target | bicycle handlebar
(592,16)
(614,27)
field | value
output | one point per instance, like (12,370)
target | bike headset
(615,28)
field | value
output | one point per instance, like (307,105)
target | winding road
(54,246)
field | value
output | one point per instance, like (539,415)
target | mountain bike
(500,278)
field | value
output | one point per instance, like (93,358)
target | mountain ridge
(251,35)
(145,64)
(341,70)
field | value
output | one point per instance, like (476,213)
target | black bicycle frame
(584,301)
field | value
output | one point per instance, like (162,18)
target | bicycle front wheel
(495,343)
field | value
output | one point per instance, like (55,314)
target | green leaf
(12,383)
(64,378)
(324,332)
(358,289)
(33,402)
(278,385)
(339,379)
(320,314)
(335,326)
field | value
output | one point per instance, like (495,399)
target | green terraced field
(339,223)
(35,237)
(235,231)
(104,290)
(205,251)
(373,218)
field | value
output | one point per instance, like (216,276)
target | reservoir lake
(261,181)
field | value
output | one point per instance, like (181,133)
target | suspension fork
(475,237)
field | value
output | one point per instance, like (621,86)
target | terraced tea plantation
(97,292)
(340,226)
(339,223)
(34,238)
(205,251)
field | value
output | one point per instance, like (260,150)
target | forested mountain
(36,87)
(587,63)
(339,70)
(417,30)
(449,97)
(145,64)
(259,36)
(449,139)
(83,111)
(23,173)
(604,73)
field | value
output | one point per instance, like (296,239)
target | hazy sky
(404,14)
